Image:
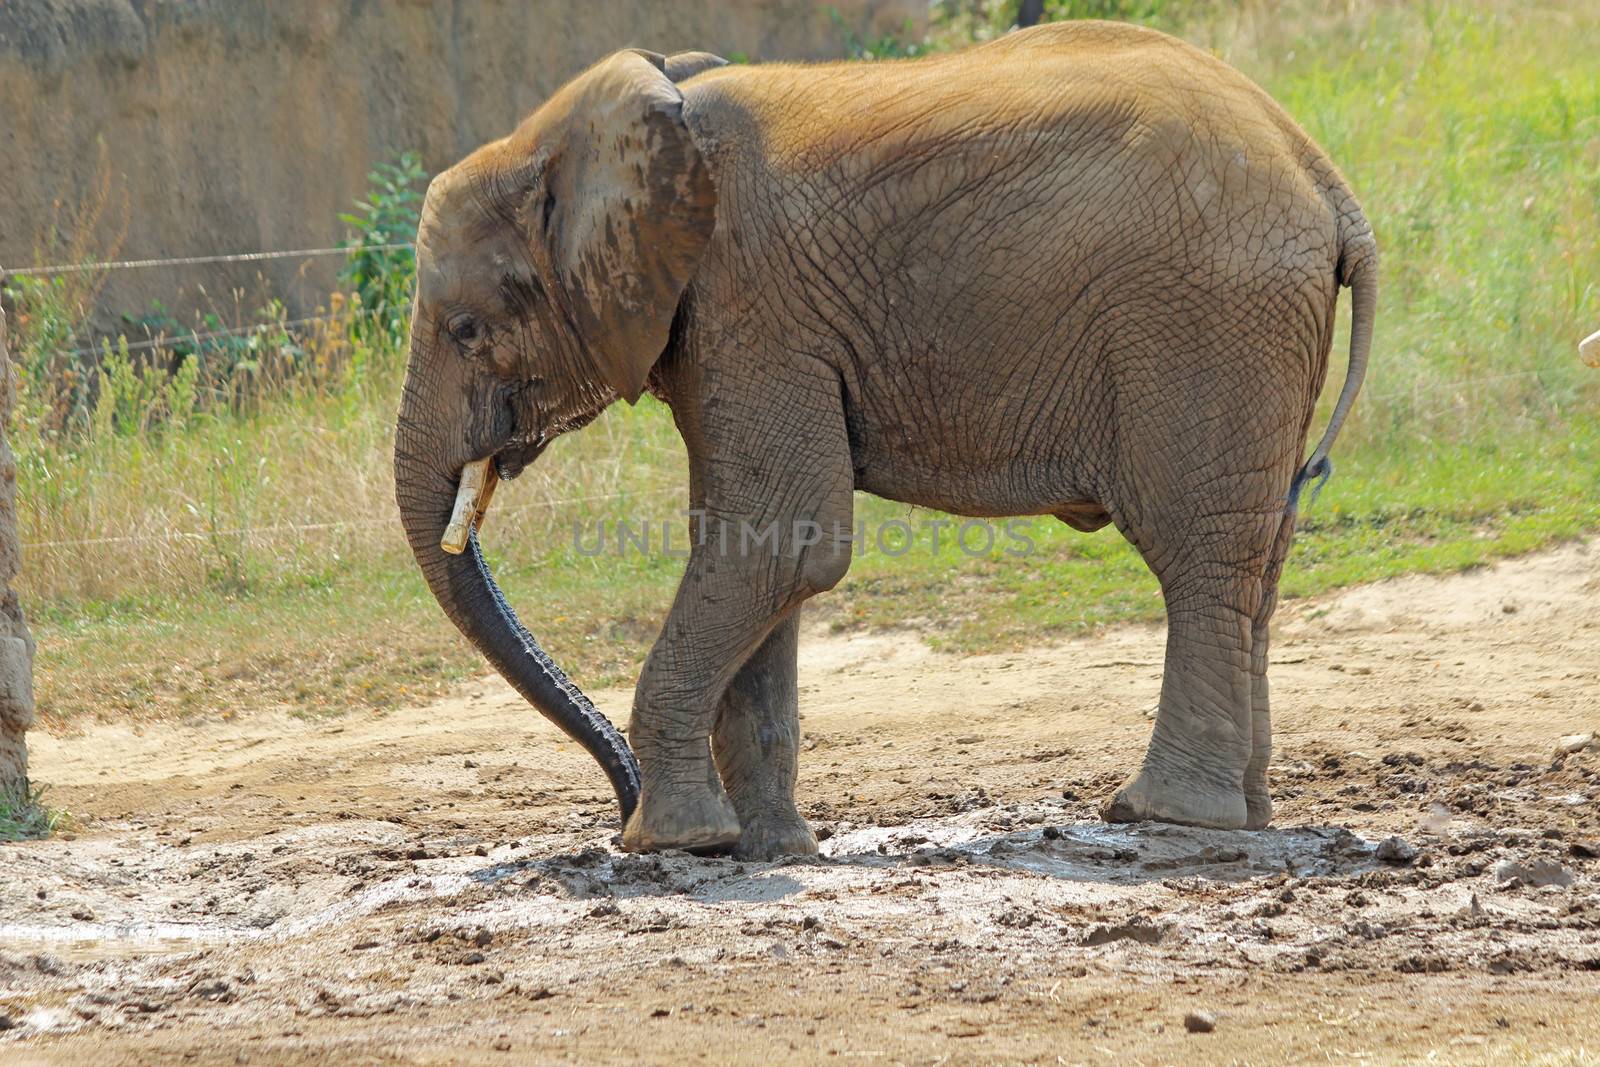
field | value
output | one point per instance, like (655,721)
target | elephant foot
(1159,798)
(699,821)
(1257,796)
(768,836)
(1257,790)
(1258,810)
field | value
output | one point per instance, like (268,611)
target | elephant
(1084,271)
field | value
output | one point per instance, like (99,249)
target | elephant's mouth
(515,456)
(475,487)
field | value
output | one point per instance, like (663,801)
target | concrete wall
(238,125)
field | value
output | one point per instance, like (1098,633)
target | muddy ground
(440,885)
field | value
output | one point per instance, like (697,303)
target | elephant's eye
(466,331)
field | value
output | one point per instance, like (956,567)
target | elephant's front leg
(736,591)
(757,748)
(727,605)
(712,627)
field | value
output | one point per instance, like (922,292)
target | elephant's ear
(681,66)
(629,211)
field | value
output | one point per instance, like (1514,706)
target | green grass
(1471,134)
(27,816)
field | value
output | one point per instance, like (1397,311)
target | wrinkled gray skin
(1084,270)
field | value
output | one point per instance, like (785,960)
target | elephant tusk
(478,480)
(1589,349)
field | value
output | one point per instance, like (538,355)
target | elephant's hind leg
(757,747)
(1194,767)
(1213,569)
(1257,793)
(1199,488)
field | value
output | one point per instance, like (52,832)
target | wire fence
(341,524)
(189,261)
(201,337)
(198,337)
(1417,391)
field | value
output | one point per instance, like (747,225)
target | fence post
(16,644)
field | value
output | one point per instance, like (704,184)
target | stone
(1199,1022)
(1535,872)
(1573,743)
(1139,930)
(1396,850)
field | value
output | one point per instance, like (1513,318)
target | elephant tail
(1358,269)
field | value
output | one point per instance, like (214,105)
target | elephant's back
(1115,136)
(1078,77)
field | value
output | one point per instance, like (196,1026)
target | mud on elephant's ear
(627,210)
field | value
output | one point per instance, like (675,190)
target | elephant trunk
(467,591)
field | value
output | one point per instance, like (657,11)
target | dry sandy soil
(440,885)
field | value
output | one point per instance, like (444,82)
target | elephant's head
(550,265)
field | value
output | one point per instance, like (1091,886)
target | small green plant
(55,382)
(128,395)
(1149,12)
(381,276)
(133,398)
(228,362)
(888,46)
(957,22)
(25,815)
(230,501)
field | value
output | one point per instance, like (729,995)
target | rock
(1573,743)
(1535,872)
(1346,843)
(213,989)
(1396,850)
(7,1022)
(1135,930)
(1199,1022)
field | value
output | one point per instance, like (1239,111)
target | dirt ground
(439,885)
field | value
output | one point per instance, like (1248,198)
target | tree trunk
(16,644)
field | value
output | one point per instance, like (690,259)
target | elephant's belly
(1041,477)
(981,497)
(949,433)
